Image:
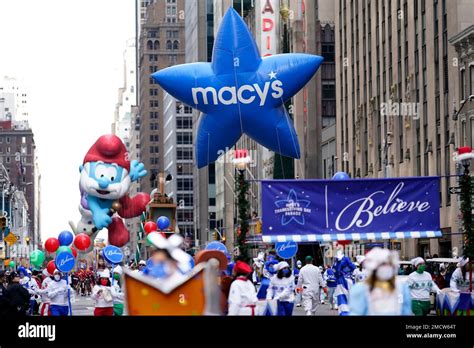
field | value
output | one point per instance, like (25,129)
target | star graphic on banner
(292,202)
(235,95)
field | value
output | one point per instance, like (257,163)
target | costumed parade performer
(168,263)
(106,175)
(268,272)
(310,281)
(118,295)
(45,305)
(381,293)
(421,284)
(459,281)
(331,283)
(360,274)
(103,295)
(343,268)
(242,295)
(57,292)
(282,289)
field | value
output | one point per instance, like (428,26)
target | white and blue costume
(343,268)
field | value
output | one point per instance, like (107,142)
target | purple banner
(330,207)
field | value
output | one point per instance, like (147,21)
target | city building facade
(179,163)
(161,44)
(395,88)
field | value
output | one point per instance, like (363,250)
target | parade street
(84,306)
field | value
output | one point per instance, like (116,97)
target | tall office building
(179,162)
(161,44)
(13,100)
(199,41)
(395,90)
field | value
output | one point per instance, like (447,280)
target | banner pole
(68,294)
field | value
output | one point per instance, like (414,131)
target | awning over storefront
(311,238)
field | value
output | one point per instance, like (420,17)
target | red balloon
(51,267)
(51,244)
(149,227)
(82,242)
(74,252)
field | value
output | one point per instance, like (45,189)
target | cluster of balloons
(66,242)
(162,224)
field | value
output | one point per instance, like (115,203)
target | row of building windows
(154,45)
(154,149)
(154,138)
(184,138)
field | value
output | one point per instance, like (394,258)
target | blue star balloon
(240,92)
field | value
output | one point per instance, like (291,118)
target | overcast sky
(70,56)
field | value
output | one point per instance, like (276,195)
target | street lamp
(240,161)
(464,157)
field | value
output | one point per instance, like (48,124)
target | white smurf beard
(89,185)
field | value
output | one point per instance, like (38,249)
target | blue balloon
(112,254)
(163,222)
(64,262)
(240,92)
(217,246)
(65,238)
(341,176)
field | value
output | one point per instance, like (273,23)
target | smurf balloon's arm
(100,215)
(137,170)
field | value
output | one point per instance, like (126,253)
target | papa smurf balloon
(106,175)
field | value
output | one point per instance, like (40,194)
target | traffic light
(3,222)
(223,239)
(214,235)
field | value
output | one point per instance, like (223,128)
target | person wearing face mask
(309,282)
(57,290)
(103,296)
(282,289)
(343,269)
(330,279)
(18,296)
(242,294)
(460,278)
(421,284)
(380,293)
(168,262)
(45,306)
(117,291)
(296,274)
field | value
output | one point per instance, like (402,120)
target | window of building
(153,92)
(8,140)
(471,84)
(7,159)
(185,199)
(176,45)
(184,154)
(156,45)
(184,138)
(149,44)
(185,215)
(185,184)
(184,123)
(154,103)
(185,169)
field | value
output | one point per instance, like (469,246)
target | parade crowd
(374,284)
